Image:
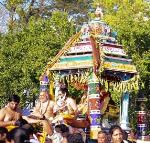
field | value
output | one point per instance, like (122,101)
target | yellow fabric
(68,116)
(52,97)
(42,137)
(9,128)
(83,108)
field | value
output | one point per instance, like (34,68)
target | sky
(3,18)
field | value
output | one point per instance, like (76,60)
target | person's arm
(2,117)
(73,105)
(55,108)
(36,108)
(36,111)
(47,127)
(50,111)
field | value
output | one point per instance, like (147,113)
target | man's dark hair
(3,130)
(64,90)
(14,98)
(102,132)
(18,135)
(30,129)
(113,128)
(75,138)
(21,122)
(63,128)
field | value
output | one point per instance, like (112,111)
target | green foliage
(25,53)
(21,10)
(116,96)
(77,9)
(75,94)
(132,110)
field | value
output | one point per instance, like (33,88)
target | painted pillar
(124,118)
(57,85)
(94,105)
(142,125)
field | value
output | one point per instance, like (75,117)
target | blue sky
(1,1)
(3,19)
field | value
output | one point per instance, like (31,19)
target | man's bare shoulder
(71,100)
(4,109)
(51,102)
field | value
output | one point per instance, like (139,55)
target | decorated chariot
(93,61)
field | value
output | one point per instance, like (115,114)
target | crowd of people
(50,122)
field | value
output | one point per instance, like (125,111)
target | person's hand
(12,123)
(37,114)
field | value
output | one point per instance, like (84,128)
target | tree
(36,33)
(21,10)
(76,9)
(25,53)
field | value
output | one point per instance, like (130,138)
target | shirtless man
(64,103)
(42,113)
(43,109)
(10,113)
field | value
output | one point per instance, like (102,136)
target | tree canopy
(36,31)
(22,10)
(25,53)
